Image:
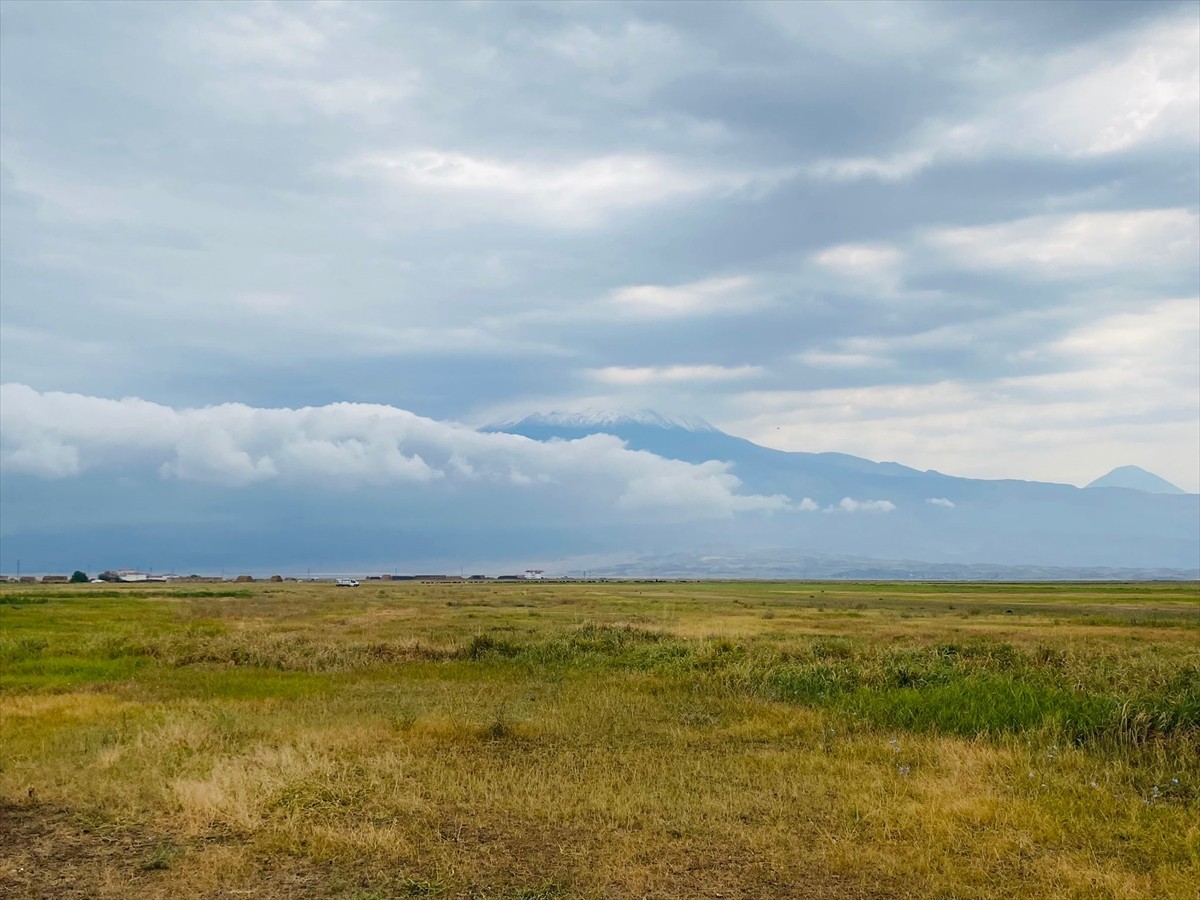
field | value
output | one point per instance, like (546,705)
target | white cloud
(1159,341)
(1141,88)
(1158,242)
(728,295)
(877,264)
(580,193)
(832,359)
(638,375)
(893,168)
(1116,391)
(849,504)
(884,350)
(1070,245)
(940,501)
(712,296)
(58,435)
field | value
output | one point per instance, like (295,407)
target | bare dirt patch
(51,853)
(48,852)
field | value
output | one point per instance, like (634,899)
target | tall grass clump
(7,599)
(983,688)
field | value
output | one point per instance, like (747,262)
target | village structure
(134,576)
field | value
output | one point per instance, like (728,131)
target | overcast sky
(962,236)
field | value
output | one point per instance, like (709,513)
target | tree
(79,577)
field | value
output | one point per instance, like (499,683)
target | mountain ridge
(623,423)
(650,430)
(848,505)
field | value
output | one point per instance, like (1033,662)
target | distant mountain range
(506,505)
(850,506)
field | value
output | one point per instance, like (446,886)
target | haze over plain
(259,260)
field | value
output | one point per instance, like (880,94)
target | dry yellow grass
(589,741)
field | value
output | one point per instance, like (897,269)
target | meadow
(612,740)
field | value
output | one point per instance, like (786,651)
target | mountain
(847,505)
(694,440)
(498,505)
(1135,478)
(592,420)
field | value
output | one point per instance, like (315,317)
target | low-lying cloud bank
(61,435)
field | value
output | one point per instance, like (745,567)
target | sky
(238,237)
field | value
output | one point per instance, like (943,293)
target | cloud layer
(58,435)
(475,211)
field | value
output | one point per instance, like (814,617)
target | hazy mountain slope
(855,508)
(936,517)
(1136,478)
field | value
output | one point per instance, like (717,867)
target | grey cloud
(435,206)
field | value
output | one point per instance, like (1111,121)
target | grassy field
(600,740)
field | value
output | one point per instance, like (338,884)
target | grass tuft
(161,859)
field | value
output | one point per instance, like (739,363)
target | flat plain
(613,740)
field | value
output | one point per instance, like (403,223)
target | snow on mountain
(845,504)
(599,418)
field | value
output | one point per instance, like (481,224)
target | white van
(347,582)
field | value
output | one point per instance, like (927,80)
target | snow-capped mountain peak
(598,418)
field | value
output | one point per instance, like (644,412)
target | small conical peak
(1135,478)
